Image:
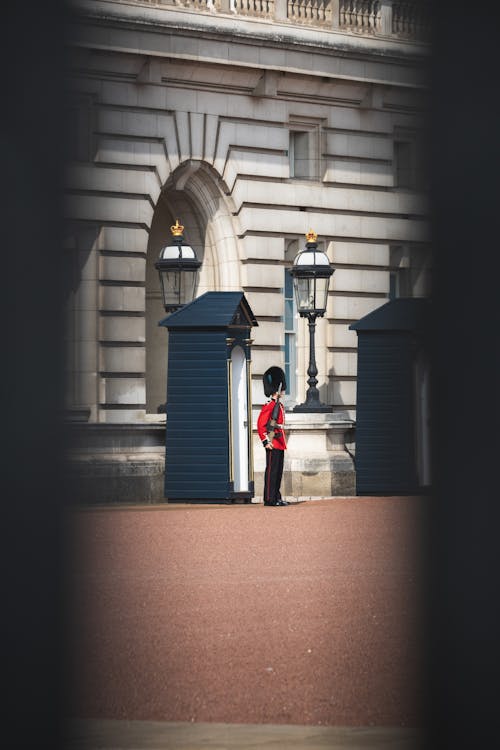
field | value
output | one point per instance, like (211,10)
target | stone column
(386,18)
(335,14)
(122,293)
(280,10)
(81,402)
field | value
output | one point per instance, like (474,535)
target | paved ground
(109,734)
(304,619)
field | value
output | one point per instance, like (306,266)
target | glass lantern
(311,278)
(177,267)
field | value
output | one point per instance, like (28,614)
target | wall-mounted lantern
(178,268)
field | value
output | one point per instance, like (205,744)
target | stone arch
(197,196)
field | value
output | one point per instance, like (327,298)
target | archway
(196,195)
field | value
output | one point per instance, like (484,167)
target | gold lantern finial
(311,236)
(177,229)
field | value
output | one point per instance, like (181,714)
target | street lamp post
(311,273)
(177,267)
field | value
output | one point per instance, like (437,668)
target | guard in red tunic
(270,426)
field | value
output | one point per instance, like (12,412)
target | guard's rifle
(273,422)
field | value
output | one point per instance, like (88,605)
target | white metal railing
(408,20)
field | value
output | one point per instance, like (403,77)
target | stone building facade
(251,122)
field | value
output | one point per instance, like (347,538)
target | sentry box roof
(213,310)
(402,314)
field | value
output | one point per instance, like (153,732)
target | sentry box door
(208,446)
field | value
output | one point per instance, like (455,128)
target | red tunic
(279,440)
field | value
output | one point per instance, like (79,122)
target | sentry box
(393,449)
(208,444)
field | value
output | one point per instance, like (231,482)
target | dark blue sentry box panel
(389,342)
(197,450)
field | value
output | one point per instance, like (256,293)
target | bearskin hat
(272,379)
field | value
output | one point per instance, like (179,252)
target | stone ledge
(126,462)
(117,438)
(281,31)
(119,465)
(311,465)
(319,484)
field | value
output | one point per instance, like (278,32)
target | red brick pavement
(309,614)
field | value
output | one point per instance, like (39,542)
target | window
(403,160)
(410,272)
(79,129)
(399,285)
(410,160)
(299,154)
(304,150)
(290,320)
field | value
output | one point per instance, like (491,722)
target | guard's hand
(269,447)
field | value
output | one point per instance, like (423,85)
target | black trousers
(273,474)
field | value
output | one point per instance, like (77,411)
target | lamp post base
(313,407)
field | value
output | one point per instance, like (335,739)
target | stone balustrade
(255,8)
(406,20)
(311,12)
(360,16)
